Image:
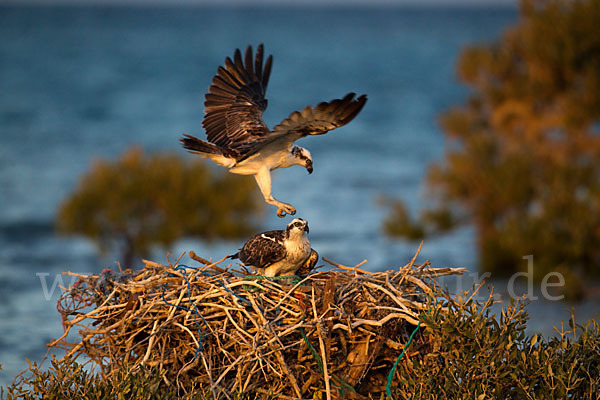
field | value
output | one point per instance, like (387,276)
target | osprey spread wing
(237,137)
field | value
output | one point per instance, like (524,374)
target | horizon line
(481,4)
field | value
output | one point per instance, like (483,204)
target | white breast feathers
(297,249)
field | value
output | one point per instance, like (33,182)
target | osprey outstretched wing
(235,102)
(237,135)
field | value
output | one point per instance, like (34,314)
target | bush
(69,380)
(143,200)
(464,351)
(523,160)
(479,356)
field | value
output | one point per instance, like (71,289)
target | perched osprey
(280,252)
(237,135)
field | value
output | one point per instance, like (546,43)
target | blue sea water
(81,83)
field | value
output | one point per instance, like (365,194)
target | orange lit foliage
(523,161)
(143,200)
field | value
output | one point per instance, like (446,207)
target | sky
(482,3)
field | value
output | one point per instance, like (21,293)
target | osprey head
(303,157)
(297,226)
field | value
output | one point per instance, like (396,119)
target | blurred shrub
(469,353)
(143,200)
(400,223)
(523,161)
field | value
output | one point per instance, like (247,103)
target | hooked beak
(309,167)
(306,228)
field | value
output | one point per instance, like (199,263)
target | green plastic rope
(388,387)
(313,351)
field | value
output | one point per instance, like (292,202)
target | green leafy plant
(66,379)
(143,200)
(478,355)
(69,380)
(523,161)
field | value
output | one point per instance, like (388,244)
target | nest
(337,332)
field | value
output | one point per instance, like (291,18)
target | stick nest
(337,332)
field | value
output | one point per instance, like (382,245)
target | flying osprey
(280,252)
(237,135)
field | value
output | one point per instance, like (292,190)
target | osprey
(237,135)
(280,252)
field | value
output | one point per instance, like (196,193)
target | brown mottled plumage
(280,252)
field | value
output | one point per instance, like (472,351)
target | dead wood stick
(176,304)
(420,284)
(287,295)
(286,369)
(242,331)
(153,264)
(231,365)
(214,265)
(390,295)
(77,347)
(412,261)
(385,319)
(150,342)
(212,386)
(195,257)
(352,269)
(321,346)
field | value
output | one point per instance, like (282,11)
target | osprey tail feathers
(209,150)
(194,144)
